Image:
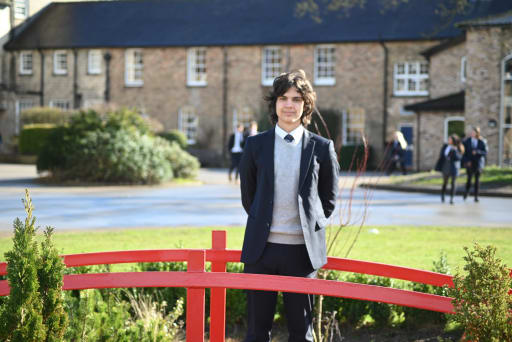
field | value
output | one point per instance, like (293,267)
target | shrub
(44,115)
(175,136)
(183,164)
(482,302)
(417,317)
(115,147)
(33,138)
(34,308)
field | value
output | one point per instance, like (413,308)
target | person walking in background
(396,153)
(449,163)
(474,159)
(235,146)
(251,130)
(289,185)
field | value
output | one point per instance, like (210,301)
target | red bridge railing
(196,280)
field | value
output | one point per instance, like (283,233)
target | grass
(416,247)
(492,176)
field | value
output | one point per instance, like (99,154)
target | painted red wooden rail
(196,280)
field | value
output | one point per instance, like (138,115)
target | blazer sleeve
(482,148)
(248,173)
(328,180)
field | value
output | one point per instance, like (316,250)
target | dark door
(407,131)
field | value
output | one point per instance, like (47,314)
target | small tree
(22,318)
(482,302)
(34,309)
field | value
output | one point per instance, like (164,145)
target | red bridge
(196,279)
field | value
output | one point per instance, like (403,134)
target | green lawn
(492,175)
(408,246)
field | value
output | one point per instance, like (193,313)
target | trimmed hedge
(41,115)
(352,157)
(33,138)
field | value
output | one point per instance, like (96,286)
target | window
(61,104)
(60,62)
(353,125)
(270,65)
(20,9)
(325,61)
(506,109)
(26,63)
(134,67)
(187,123)
(21,105)
(454,125)
(463,69)
(244,116)
(196,72)
(94,62)
(411,78)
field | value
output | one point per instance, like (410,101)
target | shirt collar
(297,133)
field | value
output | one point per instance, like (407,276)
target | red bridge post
(195,298)
(218,295)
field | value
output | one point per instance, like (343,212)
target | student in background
(235,146)
(474,159)
(449,163)
(396,153)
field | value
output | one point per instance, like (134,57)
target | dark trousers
(470,172)
(452,189)
(286,260)
(235,162)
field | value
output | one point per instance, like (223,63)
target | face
(289,108)
(473,134)
(450,140)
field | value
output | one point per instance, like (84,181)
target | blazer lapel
(268,151)
(308,146)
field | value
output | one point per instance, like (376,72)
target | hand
(468,164)
(474,152)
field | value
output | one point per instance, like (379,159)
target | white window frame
(94,66)
(21,9)
(64,105)
(345,125)
(57,68)
(331,64)
(131,68)
(21,105)
(417,77)
(447,121)
(196,62)
(187,126)
(23,58)
(463,68)
(270,68)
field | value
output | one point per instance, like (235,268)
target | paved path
(217,203)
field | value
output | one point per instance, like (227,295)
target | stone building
(471,85)
(203,67)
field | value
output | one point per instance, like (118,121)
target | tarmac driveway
(216,202)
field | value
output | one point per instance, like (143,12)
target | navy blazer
(318,189)
(478,159)
(453,158)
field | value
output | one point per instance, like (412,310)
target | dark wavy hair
(282,84)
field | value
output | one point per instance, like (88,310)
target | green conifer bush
(33,310)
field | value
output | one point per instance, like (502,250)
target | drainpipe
(224,101)
(385,96)
(41,84)
(107,56)
(76,96)
(418,141)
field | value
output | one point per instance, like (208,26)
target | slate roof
(444,45)
(451,103)
(493,20)
(145,23)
